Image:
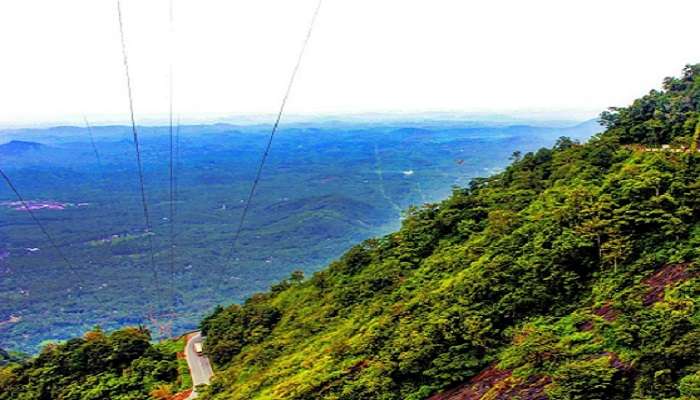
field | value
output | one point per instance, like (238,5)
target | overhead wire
(174,150)
(98,158)
(171,167)
(71,267)
(275,127)
(109,205)
(144,202)
(94,147)
(176,181)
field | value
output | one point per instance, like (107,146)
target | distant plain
(325,187)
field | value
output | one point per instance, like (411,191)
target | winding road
(200,367)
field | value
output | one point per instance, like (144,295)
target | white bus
(198,348)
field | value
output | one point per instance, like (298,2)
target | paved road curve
(200,368)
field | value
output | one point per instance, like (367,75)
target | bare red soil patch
(476,387)
(607,312)
(182,395)
(530,389)
(499,385)
(585,326)
(618,364)
(663,278)
(359,366)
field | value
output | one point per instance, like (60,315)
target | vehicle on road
(198,363)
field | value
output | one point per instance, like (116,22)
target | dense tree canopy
(123,365)
(660,117)
(570,275)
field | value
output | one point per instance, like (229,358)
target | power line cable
(38,223)
(94,148)
(178,165)
(51,240)
(144,202)
(109,204)
(258,174)
(171,166)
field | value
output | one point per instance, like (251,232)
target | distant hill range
(19,147)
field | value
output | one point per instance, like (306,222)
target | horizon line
(155,120)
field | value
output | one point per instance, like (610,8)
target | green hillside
(123,365)
(571,275)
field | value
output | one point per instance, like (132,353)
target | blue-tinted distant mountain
(62,134)
(19,147)
(584,130)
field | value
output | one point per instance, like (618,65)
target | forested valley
(571,274)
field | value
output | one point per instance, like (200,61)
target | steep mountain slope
(571,275)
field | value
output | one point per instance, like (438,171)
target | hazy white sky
(62,59)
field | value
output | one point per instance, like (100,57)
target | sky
(61,60)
